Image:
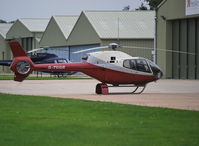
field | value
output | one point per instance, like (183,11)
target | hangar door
(62,52)
(77,57)
(185,38)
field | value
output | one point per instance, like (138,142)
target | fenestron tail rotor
(22,65)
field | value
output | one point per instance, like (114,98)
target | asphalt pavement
(180,94)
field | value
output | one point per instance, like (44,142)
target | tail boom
(22,65)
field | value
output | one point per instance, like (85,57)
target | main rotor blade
(135,47)
(146,48)
(95,48)
(174,51)
(34,50)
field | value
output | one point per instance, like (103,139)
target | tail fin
(17,49)
(22,65)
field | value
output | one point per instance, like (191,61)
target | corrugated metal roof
(34,24)
(128,24)
(66,24)
(4,28)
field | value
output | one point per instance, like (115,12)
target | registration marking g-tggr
(56,67)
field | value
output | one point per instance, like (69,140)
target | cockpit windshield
(61,61)
(143,65)
(137,64)
(156,70)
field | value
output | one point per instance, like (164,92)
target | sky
(13,9)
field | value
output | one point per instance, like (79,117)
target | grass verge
(11,77)
(33,120)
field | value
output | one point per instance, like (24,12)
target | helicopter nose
(157,72)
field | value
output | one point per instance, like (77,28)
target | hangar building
(56,35)
(178,30)
(4,51)
(99,28)
(28,31)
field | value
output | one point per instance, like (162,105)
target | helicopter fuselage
(109,67)
(112,67)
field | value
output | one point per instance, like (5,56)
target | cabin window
(50,61)
(142,65)
(61,61)
(137,64)
(127,64)
(130,63)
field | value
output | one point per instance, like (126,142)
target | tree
(126,8)
(2,21)
(153,3)
(142,7)
(12,21)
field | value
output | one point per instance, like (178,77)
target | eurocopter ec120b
(113,68)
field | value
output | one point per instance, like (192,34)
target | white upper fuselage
(113,60)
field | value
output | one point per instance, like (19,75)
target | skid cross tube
(102,88)
(143,87)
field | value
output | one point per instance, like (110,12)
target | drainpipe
(155,39)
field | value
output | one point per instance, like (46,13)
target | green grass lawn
(11,77)
(32,120)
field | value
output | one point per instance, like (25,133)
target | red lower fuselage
(102,74)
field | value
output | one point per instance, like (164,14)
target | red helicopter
(109,67)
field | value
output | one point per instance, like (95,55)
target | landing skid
(137,87)
(102,88)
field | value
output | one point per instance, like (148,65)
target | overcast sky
(14,9)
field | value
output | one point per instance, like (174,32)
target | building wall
(185,34)
(77,57)
(83,33)
(147,43)
(36,39)
(164,37)
(173,9)
(29,40)
(27,43)
(5,54)
(53,35)
(18,30)
(176,31)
